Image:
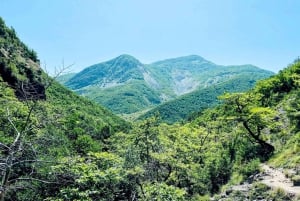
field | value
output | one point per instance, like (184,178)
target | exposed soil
(276,179)
(272,177)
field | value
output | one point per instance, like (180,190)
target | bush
(250,168)
(85,144)
(163,192)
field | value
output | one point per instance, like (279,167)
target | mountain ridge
(125,85)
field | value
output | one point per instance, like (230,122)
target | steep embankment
(41,123)
(277,112)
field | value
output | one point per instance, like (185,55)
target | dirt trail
(276,179)
(272,177)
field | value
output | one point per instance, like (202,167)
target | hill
(20,71)
(41,121)
(127,86)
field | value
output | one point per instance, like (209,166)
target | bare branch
(57,73)
(4,146)
(11,122)
(32,179)
(34,161)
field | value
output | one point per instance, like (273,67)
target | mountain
(114,72)
(182,75)
(127,86)
(188,105)
(118,84)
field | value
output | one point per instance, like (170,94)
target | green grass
(288,156)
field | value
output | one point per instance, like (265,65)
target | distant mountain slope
(118,84)
(65,77)
(180,75)
(186,105)
(127,86)
(108,74)
(185,74)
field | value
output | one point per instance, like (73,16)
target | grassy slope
(120,69)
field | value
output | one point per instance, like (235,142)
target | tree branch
(32,179)
(34,161)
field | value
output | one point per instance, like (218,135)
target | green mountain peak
(125,85)
(106,74)
(127,58)
(196,59)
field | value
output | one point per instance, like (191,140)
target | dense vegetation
(126,86)
(19,64)
(39,127)
(64,147)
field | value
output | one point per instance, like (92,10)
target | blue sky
(265,33)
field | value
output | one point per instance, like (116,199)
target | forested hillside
(188,106)
(41,122)
(56,145)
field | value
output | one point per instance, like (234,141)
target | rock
(260,197)
(228,191)
(223,196)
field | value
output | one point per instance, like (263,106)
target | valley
(201,131)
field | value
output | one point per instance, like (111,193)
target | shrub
(250,168)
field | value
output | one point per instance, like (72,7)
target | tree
(244,109)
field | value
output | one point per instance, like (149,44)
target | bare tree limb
(32,179)
(34,161)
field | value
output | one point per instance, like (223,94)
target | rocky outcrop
(19,66)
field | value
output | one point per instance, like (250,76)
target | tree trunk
(267,149)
